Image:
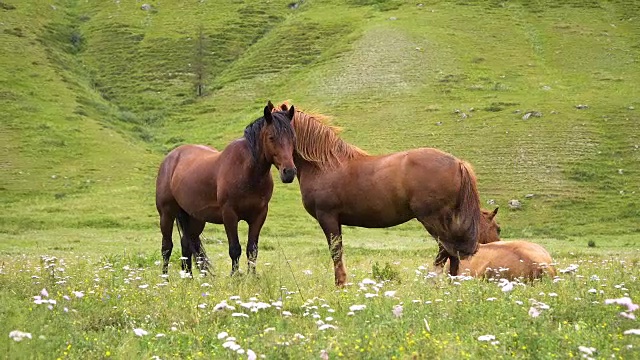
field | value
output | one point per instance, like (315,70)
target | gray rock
(491,202)
(631,108)
(529,114)
(620,171)
(529,196)
(514,204)
(393,18)
(146,7)
(582,107)
(439,123)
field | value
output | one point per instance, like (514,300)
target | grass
(93,94)
(123,291)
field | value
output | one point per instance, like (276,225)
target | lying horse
(341,185)
(504,259)
(509,260)
(197,184)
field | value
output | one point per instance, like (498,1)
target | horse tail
(182,222)
(466,216)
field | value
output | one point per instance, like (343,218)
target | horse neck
(258,167)
(331,152)
(303,166)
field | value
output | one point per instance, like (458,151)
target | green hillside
(93,94)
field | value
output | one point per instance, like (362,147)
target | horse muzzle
(287,175)
(463,253)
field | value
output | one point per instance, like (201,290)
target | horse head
(278,141)
(489,230)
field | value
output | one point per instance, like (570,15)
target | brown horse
(488,232)
(197,184)
(343,185)
(509,260)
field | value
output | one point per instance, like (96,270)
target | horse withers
(343,185)
(198,184)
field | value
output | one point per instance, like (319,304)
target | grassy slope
(90,71)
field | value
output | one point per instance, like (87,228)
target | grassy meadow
(94,93)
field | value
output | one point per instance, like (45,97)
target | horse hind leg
(190,240)
(202,261)
(166,227)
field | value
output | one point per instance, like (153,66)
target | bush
(387,272)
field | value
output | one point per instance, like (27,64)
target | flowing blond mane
(318,141)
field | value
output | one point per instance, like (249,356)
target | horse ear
(494,213)
(270,105)
(292,112)
(267,114)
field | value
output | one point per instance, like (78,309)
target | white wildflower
(486,338)
(533,312)
(326,326)
(397,311)
(17,335)
(140,332)
(587,350)
(251,355)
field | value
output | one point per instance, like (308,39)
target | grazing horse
(343,185)
(509,260)
(197,184)
(488,232)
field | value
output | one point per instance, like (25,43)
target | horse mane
(318,141)
(281,126)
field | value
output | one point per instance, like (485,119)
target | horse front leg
(230,220)
(333,232)
(441,259)
(252,244)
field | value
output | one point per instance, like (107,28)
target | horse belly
(211,214)
(374,219)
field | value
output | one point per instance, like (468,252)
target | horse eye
(499,230)
(271,138)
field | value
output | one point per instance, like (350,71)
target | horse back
(179,162)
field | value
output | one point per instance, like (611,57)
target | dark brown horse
(197,184)
(343,185)
(488,232)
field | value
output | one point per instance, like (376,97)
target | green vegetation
(94,93)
